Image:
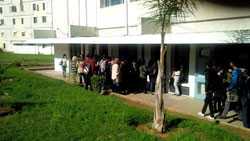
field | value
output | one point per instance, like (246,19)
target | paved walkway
(180,104)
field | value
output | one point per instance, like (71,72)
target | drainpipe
(86,12)
(68,18)
(126,12)
(79,12)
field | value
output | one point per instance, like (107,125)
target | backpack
(87,69)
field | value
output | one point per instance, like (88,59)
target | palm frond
(162,11)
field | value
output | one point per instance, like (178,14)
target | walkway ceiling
(173,38)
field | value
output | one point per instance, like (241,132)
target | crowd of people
(120,75)
(227,89)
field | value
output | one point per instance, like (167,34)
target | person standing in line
(143,75)
(231,89)
(88,70)
(114,74)
(210,74)
(74,68)
(176,76)
(63,64)
(122,77)
(220,93)
(80,65)
(244,94)
(153,71)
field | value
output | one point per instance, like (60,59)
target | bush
(96,82)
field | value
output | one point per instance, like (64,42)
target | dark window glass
(43,6)
(13,9)
(1,21)
(44,19)
(34,19)
(34,7)
(14,21)
(115,2)
(22,21)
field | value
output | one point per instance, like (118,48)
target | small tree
(162,12)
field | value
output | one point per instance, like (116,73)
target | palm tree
(162,13)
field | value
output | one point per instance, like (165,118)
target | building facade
(215,31)
(25,19)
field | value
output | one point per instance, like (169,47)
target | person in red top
(89,68)
(90,61)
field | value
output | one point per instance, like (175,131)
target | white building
(25,19)
(216,31)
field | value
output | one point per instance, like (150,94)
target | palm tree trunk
(159,115)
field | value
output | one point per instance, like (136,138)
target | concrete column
(192,70)
(168,65)
(109,50)
(115,50)
(147,53)
(98,49)
(87,49)
(82,49)
(139,51)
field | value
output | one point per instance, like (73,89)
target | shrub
(96,82)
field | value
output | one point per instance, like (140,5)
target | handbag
(232,96)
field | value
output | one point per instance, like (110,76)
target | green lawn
(53,110)
(25,59)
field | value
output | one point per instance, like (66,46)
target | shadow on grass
(174,123)
(7,108)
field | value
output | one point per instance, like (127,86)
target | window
(2,34)
(1,21)
(13,9)
(34,19)
(1,10)
(133,0)
(107,3)
(44,6)
(34,7)
(44,19)
(14,21)
(21,5)
(22,21)
(23,34)
(37,7)
(15,34)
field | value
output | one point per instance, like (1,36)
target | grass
(25,59)
(53,110)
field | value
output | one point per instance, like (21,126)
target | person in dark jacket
(210,75)
(153,71)
(220,92)
(143,75)
(123,77)
(244,94)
